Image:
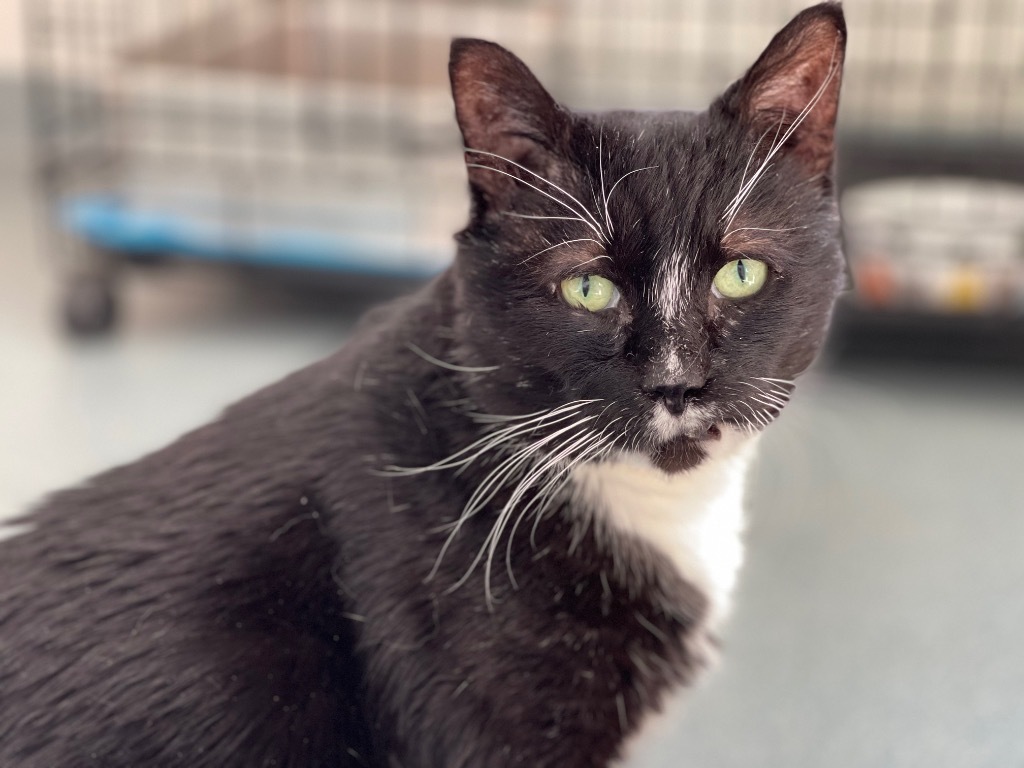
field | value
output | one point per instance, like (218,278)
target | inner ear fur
(505,115)
(792,90)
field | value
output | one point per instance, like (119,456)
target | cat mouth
(695,424)
(710,433)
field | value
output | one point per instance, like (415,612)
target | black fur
(259,592)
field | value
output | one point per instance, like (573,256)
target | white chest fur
(694,518)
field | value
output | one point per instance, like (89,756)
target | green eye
(591,292)
(741,278)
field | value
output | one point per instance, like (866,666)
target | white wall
(10,35)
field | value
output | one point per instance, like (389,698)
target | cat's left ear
(503,111)
(794,87)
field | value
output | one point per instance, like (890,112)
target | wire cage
(308,134)
(932,164)
(319,133)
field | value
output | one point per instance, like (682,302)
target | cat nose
(675,395)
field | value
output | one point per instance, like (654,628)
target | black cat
(501,524)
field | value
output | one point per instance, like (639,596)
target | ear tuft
(794,85)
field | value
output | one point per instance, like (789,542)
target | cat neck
(691,520)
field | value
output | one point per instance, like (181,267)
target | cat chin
(679,455)
(682,440)
(688,451)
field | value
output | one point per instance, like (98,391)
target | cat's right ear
(505,115)
(791,94)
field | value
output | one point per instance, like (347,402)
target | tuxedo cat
(501,525)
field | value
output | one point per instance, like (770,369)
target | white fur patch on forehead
(673,363)
(672,290)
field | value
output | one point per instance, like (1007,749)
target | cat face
(671,273)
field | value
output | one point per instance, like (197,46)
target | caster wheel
(89,306)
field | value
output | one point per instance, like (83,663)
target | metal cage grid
(319,133)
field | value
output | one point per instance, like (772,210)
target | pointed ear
(502,111)
(792,90)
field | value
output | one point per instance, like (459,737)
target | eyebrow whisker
(557,245)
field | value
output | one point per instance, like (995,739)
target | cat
(500,526)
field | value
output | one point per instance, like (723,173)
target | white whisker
(759,229)
(775,397)
(544,218)
(450,366)
(583,212)
(588,445)
(600,166)
(491,485)
(750,159)
(753,412)
(483,495)
(748,187)
(777,143)
(492,439)
(596,258)
(769,403)
(534,468)
(506,513)
(612,190)
(560,479)
(557,245)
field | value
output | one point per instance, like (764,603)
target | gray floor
(880,617)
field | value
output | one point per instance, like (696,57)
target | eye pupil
(591,292)
(740,278)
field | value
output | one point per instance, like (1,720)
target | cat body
(231,621)
(500,525)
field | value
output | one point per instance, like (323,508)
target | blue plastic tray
(107,221)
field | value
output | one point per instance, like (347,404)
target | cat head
(663,275)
